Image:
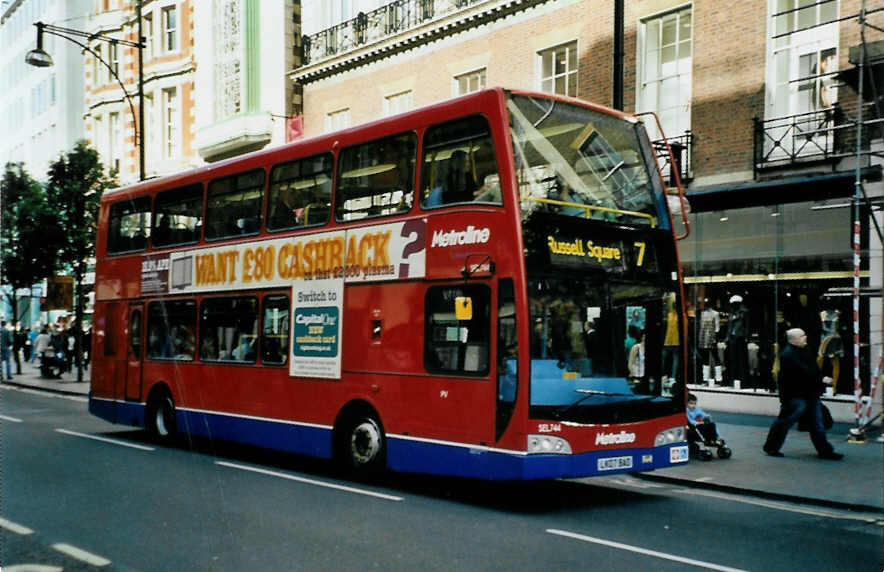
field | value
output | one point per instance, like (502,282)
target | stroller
(703,438)
(52,364)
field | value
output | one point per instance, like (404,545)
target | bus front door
(134,351)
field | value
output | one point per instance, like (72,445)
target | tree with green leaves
(29,232)
(77,180)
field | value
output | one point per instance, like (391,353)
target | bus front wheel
(160,418)
(363,446)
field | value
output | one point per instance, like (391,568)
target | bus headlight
(548,444)
(673,435)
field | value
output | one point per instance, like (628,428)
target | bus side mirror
(463,308)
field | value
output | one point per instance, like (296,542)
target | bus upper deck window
(300,193)
(233,205)
(179,216)
(376,178)
(129,225)
(459,164)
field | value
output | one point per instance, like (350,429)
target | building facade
(755,98)
(40,108)
(168,74)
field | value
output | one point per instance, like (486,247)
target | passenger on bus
(459,184)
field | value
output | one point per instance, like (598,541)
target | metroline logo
(471,235)
(614,438)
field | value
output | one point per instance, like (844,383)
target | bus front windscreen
(605,321)
(577,161)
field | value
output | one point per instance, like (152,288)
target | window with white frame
(147,30)
(148,131)
(114,56)
(170,28)
(665,60)
(398,103)
(803,51)
(337,120)
(228,58)
(558,69)
(469,82)
(171,122)
(97,66)
(99,135)
(115,141)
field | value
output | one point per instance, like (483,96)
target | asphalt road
(81,494)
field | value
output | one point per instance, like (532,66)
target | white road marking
(310,481)
(16,528)
(821,512)
(10,419)
(33,568)
(704,479)
(633,482)
(81,555)
(46,393)
(663,555)
(105,440)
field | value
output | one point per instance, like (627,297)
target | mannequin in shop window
(670,342)
(737,334)
(831,344)
(710,323)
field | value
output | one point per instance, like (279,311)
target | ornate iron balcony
(682,150)
(796,139)
(367,27)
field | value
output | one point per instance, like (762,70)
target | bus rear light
(669,436)
(548,444)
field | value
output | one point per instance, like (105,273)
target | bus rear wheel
(363,444)
(160,417)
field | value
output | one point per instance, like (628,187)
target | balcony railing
(682,150)
(796,139)
(368,27)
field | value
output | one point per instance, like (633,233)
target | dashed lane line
(14,527)
(81,555)
(310,481)
(645,551)
(105,440)
(10,419)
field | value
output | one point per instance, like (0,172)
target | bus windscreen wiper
(593,392)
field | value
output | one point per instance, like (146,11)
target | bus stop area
(856,482)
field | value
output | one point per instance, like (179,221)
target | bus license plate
(612,463)
(678,454)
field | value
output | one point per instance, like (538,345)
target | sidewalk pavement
(856,482)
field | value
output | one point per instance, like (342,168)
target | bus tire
(363,445)
(160,416)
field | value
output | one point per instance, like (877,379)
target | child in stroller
(703,434)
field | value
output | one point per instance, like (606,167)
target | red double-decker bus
(487,287)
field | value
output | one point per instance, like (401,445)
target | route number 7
(641,253)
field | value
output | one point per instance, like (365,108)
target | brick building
(755,96)
(169,66)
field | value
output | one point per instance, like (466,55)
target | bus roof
(330,141)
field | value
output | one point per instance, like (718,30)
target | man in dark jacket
(800,385)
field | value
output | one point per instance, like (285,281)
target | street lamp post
(41,59)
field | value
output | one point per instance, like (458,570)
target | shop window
(171,330)
(376,178)
(233,205)
(457,346)
(275,330)
(459,164)
(229,329)
(128,225)
(300,193)
(179,216)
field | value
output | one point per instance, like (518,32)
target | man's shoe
(831,456)
(773,453)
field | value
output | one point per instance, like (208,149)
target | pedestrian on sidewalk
(32,337)
(42,343)
(18,346)
(800,385)
(6,344)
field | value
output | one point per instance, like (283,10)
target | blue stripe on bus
(403,454)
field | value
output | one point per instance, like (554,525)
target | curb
(46,389)
(825,503)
